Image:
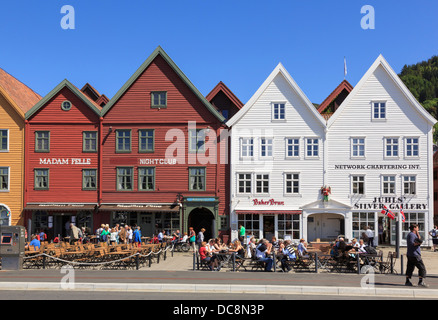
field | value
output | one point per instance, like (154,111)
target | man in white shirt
(370,235)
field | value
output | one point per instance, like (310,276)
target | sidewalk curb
(222,288)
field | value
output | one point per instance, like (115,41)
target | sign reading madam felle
(65,161)
(391,202)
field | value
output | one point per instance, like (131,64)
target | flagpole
(397,233)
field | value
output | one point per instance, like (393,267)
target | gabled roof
(65,83)
(282,71)
(380,61)
(144,66)
(222,87)
(20,96)
(344,85)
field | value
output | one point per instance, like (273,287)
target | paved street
(176,275)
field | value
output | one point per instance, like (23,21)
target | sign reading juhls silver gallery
(391,202)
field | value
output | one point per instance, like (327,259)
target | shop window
(360,222)
(289,225)
(417,218)
(251,222)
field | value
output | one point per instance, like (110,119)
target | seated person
(288,252)
(238,248)
(250,247)
(275,243)
(362,245)
(262,253)
(302,250)
(184,238)
(35,242)
(206,257)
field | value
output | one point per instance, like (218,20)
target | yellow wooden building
(15,99)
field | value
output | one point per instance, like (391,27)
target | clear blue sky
(238,42)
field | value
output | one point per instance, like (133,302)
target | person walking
(434,234)
(413,254)
(241,233)
(192,239)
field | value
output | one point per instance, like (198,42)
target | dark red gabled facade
(161,165)
(224,100)
(62,161)
(334,100)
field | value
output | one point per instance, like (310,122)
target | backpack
(370,250)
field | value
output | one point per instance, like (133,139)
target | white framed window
(244,183)
(266,147)
(292,147)
(278,111)
(291,183)
(251,222)
(391,147)
(409,184)
(388,184)
(312,148)
(246,147)
(262,183)
(412,147)
(4,140)
(358,147)
(379,111)
(358,184)
(4,179)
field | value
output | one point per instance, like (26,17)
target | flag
(402,214)
(345,68)
(387,212)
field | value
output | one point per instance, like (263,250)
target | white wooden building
(277,154)
(374,151)
(380,154)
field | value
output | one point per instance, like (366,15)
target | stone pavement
(184,261)
(175,274)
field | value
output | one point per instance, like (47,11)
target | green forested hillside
(422,79)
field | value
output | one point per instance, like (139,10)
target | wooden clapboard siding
(15,99)
(255,120)
(131,109)
(405,118)
(14,159)
(66,142)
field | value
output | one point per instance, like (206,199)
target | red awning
(269,211)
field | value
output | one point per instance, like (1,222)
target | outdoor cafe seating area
(319,258)
(94,255)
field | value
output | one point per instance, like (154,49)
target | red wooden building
(62,160)
(162,166)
